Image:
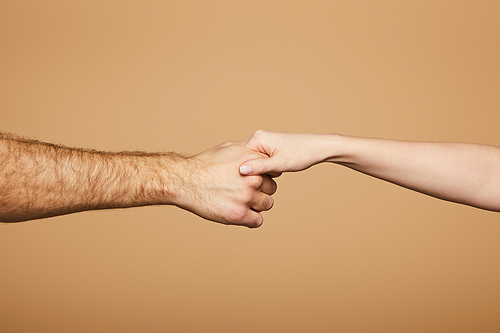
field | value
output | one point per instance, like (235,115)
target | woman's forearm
(460,172)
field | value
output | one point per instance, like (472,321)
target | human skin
(39,180)
(460,172)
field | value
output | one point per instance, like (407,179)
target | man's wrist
(166,178)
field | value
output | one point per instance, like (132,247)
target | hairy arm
(40,180)
(459,172)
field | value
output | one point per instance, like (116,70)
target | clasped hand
(233,182)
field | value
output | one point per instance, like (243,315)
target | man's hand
(39,180)
(213,189)
(287,152)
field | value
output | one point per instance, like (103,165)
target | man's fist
(213,188)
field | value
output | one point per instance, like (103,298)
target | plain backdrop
(340,251)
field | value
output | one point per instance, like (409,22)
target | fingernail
(246,169)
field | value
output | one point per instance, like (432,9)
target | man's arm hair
(41,179)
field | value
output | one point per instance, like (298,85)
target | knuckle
(259,133)
(247,197)
(269,186)
(254,181)
(255,223)
(274,186)
(270,203)
(266,204)
(237,214)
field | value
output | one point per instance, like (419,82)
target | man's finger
(263,202)
(274,174)
(269,186)
(253,219)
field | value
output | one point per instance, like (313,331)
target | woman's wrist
(338,148)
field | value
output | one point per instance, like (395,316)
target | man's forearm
(460,172)
(41,180)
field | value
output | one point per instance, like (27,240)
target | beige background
(340,252)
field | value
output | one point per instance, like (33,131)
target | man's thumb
(258,166)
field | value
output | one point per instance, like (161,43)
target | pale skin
(39,180)
(459,172)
